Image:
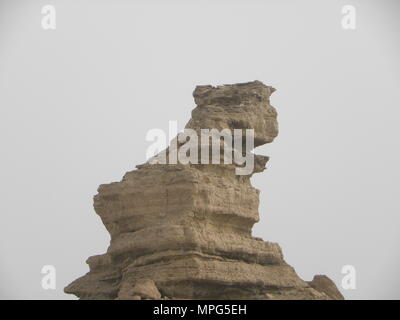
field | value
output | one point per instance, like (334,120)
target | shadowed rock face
(184,231)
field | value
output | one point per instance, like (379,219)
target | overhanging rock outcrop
(183,231)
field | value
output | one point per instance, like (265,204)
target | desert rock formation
(183,231)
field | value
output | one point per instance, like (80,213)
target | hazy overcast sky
(76,104)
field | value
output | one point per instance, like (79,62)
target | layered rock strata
(183,231)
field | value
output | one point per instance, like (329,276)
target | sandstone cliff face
(183,231)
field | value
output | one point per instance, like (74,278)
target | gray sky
(76,104)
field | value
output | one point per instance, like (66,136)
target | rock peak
(230,94)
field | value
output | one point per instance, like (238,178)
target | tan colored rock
(188,227)
(141,289)
(146,289)
(323,284)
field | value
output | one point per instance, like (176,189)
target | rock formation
(183,231)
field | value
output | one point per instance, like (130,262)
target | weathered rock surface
(141,289)
(323,284)
(184,231)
